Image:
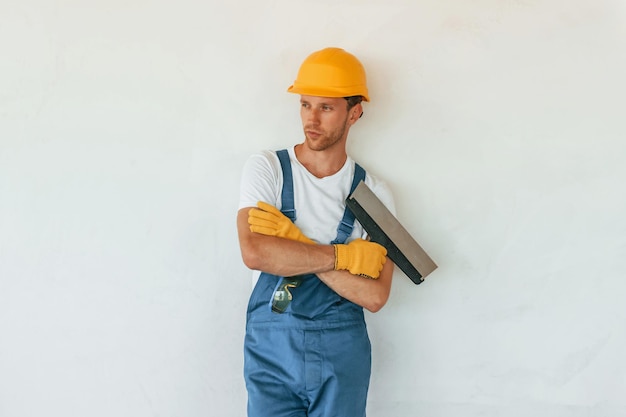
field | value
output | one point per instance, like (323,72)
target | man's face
(325,120)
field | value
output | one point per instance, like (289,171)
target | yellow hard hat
(331,72)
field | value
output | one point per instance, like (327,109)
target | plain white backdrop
(124,125)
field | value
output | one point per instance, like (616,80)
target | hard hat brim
(329,92)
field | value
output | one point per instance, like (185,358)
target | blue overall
(315,358)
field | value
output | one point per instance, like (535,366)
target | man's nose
(313,117)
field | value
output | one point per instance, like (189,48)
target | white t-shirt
(319,202)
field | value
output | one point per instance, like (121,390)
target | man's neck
(321,163)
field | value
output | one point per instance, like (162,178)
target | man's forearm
(281,256)
(286,257)
(371,294)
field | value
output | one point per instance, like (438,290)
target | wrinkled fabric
(301,363)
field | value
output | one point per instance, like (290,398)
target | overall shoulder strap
(288,205)
(344,230)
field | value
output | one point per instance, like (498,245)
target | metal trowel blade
(383,228)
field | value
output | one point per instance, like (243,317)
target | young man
(307,352)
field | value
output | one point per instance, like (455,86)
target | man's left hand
(268,220)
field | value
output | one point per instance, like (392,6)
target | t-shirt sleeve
(259,180)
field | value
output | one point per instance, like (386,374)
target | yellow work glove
(268,220)
(361,257)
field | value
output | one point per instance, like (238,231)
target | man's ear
(355,113)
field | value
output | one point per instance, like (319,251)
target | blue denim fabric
(313,363)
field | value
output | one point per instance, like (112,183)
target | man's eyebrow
(323,103)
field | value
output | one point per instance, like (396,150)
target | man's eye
(327,108)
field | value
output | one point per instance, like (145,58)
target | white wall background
(123,128)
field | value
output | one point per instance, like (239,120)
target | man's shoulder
(261,179)
(263,160)
(266,154)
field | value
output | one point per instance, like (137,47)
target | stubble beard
(326,141)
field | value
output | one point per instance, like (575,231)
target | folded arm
(286,257)
(371,294)
(279,256)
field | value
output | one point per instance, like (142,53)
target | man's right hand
(361,257)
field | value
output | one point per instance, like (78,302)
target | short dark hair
(353,101)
